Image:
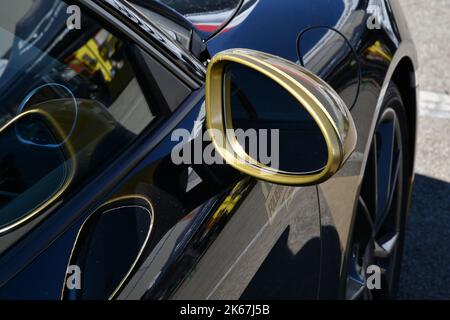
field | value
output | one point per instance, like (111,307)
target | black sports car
(200,149)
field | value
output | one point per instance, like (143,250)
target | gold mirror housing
(321,102)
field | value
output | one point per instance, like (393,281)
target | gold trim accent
(318,98)
(151,211)
(70,152)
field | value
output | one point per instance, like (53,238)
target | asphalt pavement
(426,263)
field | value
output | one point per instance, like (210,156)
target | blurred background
(426,263)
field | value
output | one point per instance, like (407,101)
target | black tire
(381,211)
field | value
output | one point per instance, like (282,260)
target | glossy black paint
(208,16)
(231,236)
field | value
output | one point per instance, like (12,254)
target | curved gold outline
(319,99)
(71,153)
(109,202)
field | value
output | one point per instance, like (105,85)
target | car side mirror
(274,120)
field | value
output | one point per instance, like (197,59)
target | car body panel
(208,16)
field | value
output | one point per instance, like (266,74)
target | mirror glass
(270,124)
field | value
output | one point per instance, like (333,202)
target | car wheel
(378,229)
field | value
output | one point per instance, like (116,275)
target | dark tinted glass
(83,80)
(107,247)
(23,187)
(259,103)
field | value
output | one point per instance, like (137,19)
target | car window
(70,102)
(97,247)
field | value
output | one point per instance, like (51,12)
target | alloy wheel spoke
(386,248)
(369,186)
(356,283)
(392,188)
(375,174)
(355,289)
(386,132)
(366,212)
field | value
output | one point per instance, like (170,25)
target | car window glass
(70,103)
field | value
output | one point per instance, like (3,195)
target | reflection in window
(70,103)
(108,246)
